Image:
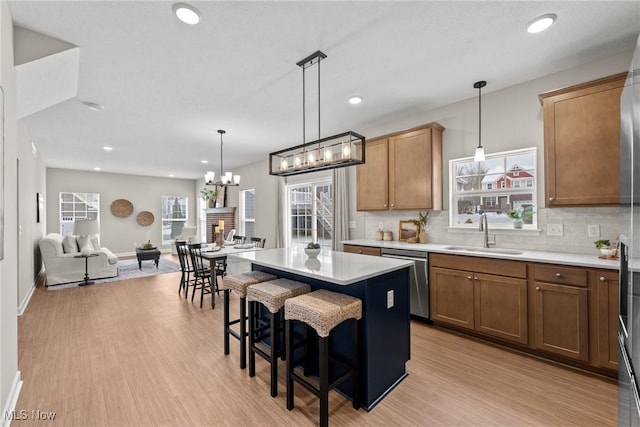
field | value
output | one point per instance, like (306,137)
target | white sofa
(62,267)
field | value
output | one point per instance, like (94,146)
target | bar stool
(239,283)
(272,296)
(322,310)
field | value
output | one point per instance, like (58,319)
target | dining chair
(185,267)
(258,242)
(202,274)
(238,240)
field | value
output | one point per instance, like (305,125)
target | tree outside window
(174,217)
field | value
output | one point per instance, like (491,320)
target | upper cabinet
(581,143)
(402,171)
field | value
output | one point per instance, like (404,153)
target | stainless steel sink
(484,250)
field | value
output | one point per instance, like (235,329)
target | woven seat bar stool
(239,283)
(322,310)
(272,296)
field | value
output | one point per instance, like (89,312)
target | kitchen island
(383,286)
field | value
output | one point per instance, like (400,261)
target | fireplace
(214,215)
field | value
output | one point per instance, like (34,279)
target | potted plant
(421,222)
(209,196)
(604,245)
(518,215)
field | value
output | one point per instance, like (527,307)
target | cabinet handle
(537,288)
(603,279)
(558,275)
(385,206)
(468,277)
(551,199)
(393,204)
(359,252)
(475,278)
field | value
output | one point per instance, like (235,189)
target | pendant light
(479,155)
(226,178)
(345,149)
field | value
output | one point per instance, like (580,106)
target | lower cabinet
(491,304)
(364,250)
(561,312)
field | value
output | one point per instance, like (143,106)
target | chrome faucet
(484,226)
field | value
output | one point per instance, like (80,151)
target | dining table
(215,253)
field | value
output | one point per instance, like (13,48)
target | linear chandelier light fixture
(226,178)
(344,149)
(479,154)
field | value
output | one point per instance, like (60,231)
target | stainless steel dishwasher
(419,286)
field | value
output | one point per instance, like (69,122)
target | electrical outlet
(389,299)
(555,230)
(593,230)
(352,224)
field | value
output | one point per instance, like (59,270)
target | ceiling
(167,87)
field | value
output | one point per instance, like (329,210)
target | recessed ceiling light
(204,161)
(96,169)
(93,106)
(541,23)
(106,148)
(187,13)
(171,175)
(355,100)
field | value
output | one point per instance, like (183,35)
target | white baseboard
(12,399)
(25,302)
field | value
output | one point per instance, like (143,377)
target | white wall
(31,181)
(120,234)
(9,374)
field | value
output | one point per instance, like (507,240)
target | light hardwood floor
(134,353)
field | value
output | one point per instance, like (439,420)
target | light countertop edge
(334,267)
(564,258)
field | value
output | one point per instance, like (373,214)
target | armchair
(188,234)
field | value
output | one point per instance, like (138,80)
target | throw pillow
(84,243)
(69,244)
(95,243)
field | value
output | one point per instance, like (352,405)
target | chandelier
(226,178)
(344,149)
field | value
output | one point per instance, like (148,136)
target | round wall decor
(145,218)
(121,208)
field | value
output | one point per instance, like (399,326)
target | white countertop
(527,255)
(335,267)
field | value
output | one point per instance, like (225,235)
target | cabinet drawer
(364,250)
(574,276)
(499,267)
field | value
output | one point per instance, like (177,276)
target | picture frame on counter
(408,231)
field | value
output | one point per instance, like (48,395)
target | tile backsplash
(575,222)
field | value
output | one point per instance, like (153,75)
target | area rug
(128,269)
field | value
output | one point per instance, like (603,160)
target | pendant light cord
(480,116)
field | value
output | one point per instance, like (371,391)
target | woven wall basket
(121,208)
(145,218)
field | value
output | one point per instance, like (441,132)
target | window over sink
(503,186)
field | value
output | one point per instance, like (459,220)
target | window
(474,193)
(174,217)
(310,214)
(247,213)
(77,206)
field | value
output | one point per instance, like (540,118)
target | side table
(86,268)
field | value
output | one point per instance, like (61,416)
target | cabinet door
(606,285)
(372,177)
(561,320)
(501,307)
(410,163)
(451,293)
(581,143)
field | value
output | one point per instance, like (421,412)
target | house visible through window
(77,206)
(247,214)
(310,216)
(174,217)
(504,182)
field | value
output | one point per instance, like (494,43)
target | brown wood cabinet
(581,143)
(403,171)
(364,250)
(373,181)
(605,332)
(561,310)
(482,298)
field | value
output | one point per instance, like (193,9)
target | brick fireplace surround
(228,215)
